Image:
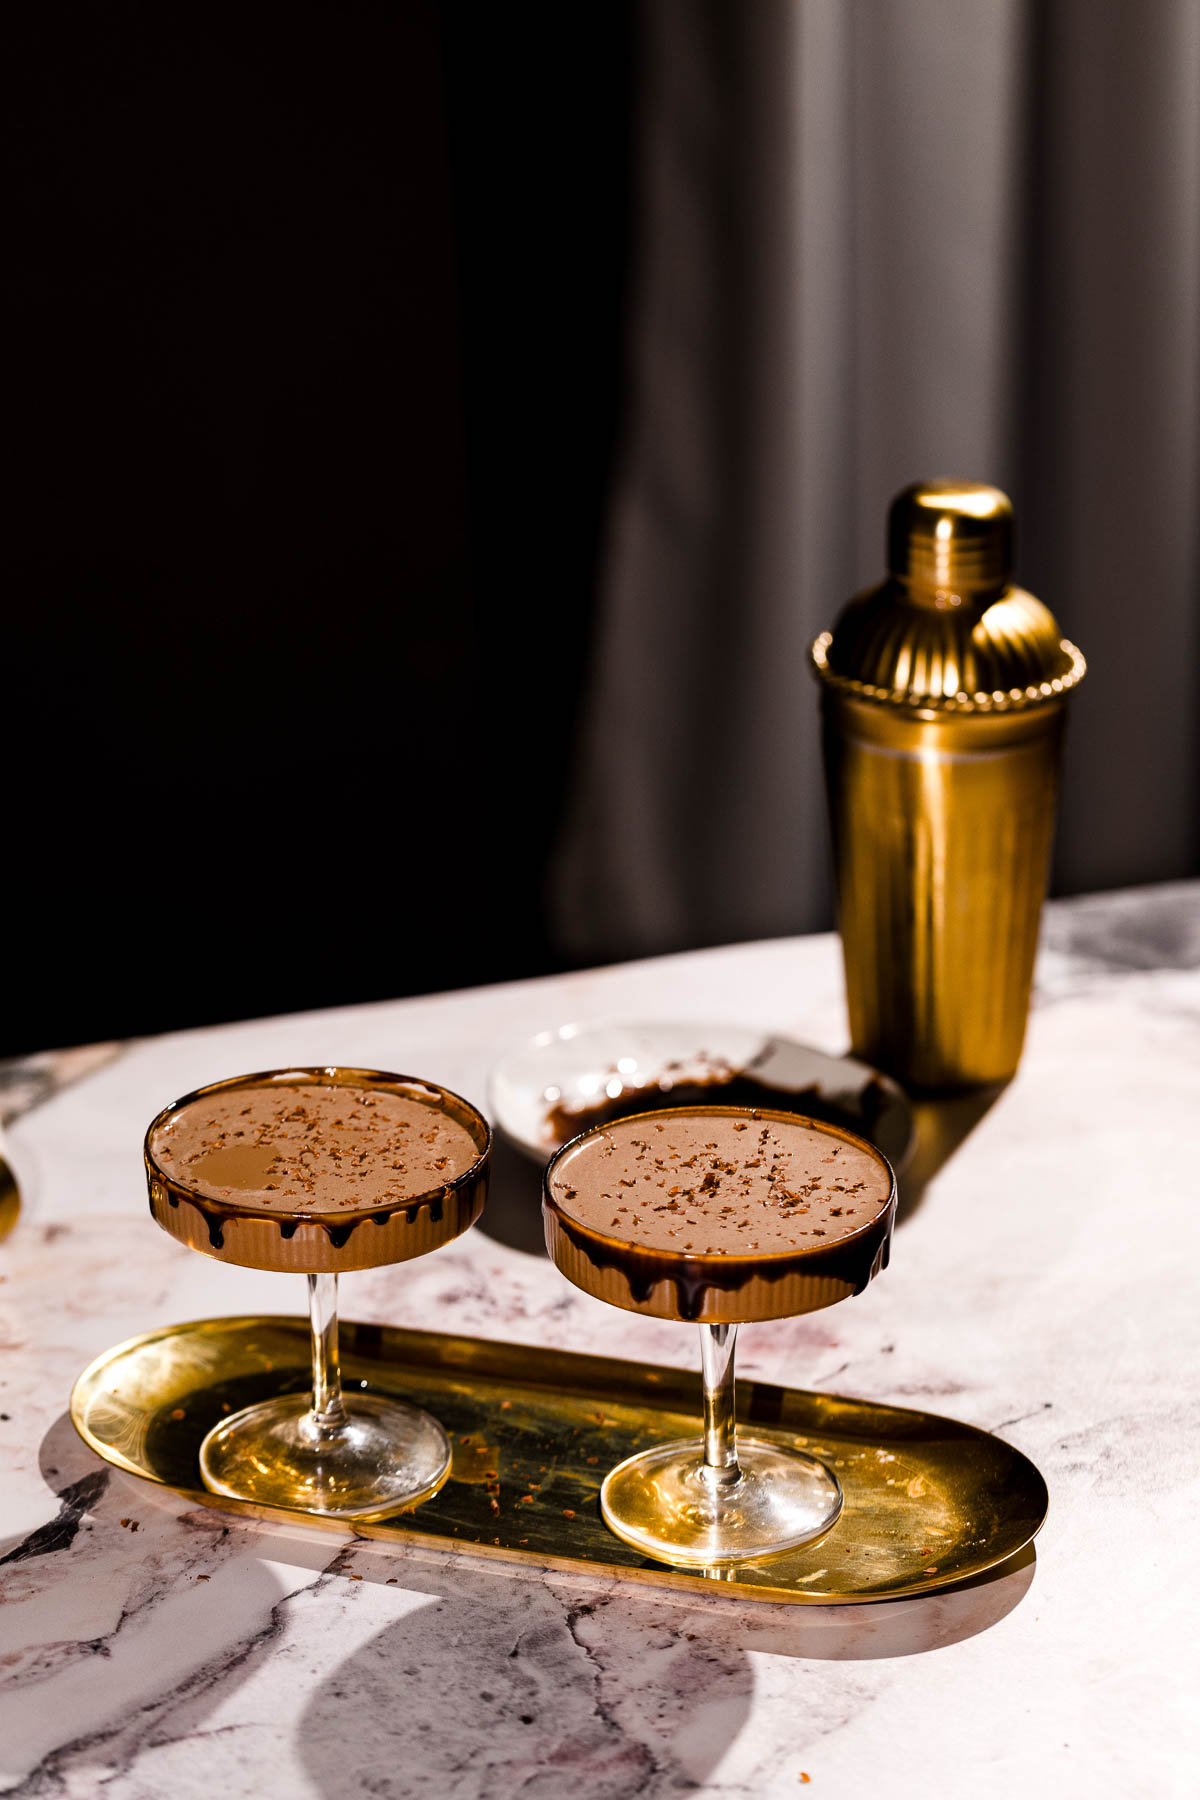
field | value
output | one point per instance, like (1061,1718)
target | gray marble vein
(29,1081)
(1132,928)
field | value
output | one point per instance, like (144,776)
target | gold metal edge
(686,1582)
(1000,700)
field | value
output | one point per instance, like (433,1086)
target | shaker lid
(947,631)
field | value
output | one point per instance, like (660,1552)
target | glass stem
(720,1434)
(328,1410)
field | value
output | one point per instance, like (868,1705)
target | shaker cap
(951,538)
(947,631)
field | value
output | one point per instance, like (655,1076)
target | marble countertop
(1041,1285)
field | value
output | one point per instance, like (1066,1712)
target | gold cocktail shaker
(943,698)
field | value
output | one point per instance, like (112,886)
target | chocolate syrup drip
(215,1217)
(728,1088)
(854,1261)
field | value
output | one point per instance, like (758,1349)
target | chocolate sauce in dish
(721,1085)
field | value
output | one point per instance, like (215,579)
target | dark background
(314,350)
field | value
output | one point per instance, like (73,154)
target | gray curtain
(878,240)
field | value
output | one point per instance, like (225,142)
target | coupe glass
(720,1498)
(351,1456)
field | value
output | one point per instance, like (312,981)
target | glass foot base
(386,1456)
(665,1504)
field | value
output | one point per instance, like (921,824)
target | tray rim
(679,1580)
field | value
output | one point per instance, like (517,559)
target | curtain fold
(878,241)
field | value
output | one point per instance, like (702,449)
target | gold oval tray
(928,1502)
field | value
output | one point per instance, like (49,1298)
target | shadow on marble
(80,1480)
(545,1684)
(504,1667)
(488,1678)
(498,1688)
(69,1467)
(896,1627)
(64,1458)
(943,1124)
(877,1630)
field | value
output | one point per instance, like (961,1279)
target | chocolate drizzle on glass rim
(697,1280)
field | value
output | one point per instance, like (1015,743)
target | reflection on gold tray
(928,1502)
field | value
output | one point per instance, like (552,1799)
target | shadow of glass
(459,1580)
(942,1123)
(507,1687)
(526,1677)
(539,1683)
(513,1214)
(64,1458)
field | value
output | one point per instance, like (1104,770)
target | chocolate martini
(305,1171)
(719,1214)
(320,1170)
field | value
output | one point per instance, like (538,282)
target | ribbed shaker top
(947,631)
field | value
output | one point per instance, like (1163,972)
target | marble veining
(28,1081)
(1039,1286)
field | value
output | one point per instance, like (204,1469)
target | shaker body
(942,827)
